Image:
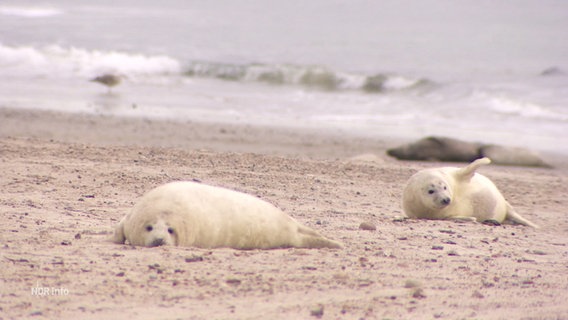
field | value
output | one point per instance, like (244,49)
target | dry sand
(66,180)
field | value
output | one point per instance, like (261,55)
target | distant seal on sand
(198,215)
(437,149)
(457,193)
(512,156)
(454,150)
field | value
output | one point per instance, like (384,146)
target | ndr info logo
(38,290)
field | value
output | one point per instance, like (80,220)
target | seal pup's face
(158,232)
(436,193)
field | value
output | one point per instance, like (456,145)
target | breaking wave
(59,62)
(55,61)
(317,77)
(516,107)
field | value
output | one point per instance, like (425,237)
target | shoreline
(106,130)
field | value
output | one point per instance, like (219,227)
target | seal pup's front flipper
(467,172)
(118,234)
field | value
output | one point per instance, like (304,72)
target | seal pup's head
(427,193)
(158,232)
(150,230)
(436,193)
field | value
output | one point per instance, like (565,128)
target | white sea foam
(399,82)
(59,62)
(29,12)
(526,109)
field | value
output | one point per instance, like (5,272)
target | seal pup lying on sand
(457,193)
(193,214)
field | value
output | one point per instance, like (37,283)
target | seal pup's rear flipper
(311,239)
(513,216)
(467,172)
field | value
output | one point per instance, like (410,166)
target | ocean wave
(59,62)
(514,107)
(29,12)
(317,77)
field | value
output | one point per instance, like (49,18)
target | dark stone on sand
(317,311)
(418,293)
(367,226)
(194,258)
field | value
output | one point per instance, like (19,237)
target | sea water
(489,71)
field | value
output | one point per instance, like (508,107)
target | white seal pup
(197,215)
(457,193)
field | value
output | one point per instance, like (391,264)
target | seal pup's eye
(149,228)
(430,191)
(171,230)
(445,188)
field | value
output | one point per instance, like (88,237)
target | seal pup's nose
(157,242)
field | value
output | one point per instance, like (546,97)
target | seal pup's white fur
(457,193)
(193,214)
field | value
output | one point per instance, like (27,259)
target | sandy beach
(67,179)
